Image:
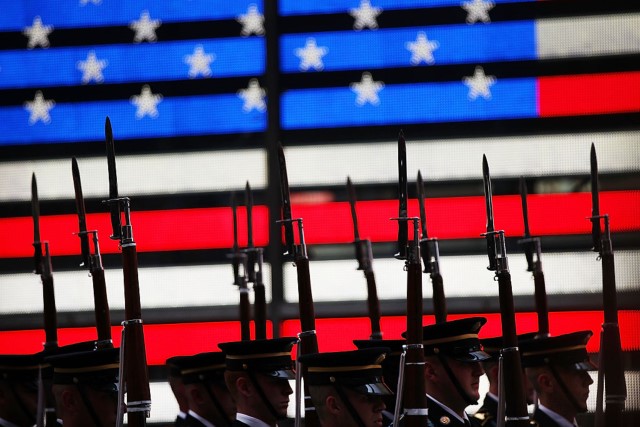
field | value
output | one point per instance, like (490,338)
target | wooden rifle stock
(542,308)
(260,302)
(515,398)
(610,348)
(49,302)
(136,374)
(439,302)
(373,305)
(101,304)
(414,393)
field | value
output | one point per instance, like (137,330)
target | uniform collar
(250,421)
(559,419)
(204,421)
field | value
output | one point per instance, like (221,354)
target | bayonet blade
(249,202)
(527,243)
(234,210)
(423,212)
(488,196)
(595,202)
(286,203)
(35,213)
(113,180)
(351,192)
(403,233)
(82,213)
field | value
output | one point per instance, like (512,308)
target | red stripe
(326,223)
(166,340)
(589,94)
(165,230)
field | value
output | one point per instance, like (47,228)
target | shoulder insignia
(484,418)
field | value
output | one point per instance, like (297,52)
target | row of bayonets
(420,250)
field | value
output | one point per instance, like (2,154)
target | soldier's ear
(244,386)
(333,405)
(430,372)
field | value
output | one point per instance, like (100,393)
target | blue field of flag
(408,103)
(16,15)
(454,44)
(132,62)
(176,116)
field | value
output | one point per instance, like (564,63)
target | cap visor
(286,374)
(473,356)
(374,389)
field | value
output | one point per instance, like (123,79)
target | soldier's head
(85,386)
(347,387)
(205,389)
(174,365)
(453,354)
(257,376)
(19,388)
(558,369)
(493,346)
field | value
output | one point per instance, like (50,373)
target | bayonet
(113,182)
(430,253)
(364,257)
(35,213)
(596,232)
(488,196)
(527,242)
(82,213)
(251,249)
(403,233)
(287,221)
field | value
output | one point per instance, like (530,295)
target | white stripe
(164,407)
(164,287)
(465,276)
(137,174)
(453,159)
(327,165)
(588,36)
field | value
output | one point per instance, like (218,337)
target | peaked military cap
(457,339)
(47,369)
(21,368)
(175,364)
(270,357)
(203,367)
(569,350)
(493,345)
(359,370)
(97,368)
(391,363)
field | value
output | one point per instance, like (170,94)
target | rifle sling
(85,399)
(216,403)
(349,406)
(468,399)
(564,388)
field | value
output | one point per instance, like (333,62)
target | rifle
(531,245)
(255,257)
(364,256)
(298,252)
(413,393)
(94,263)
(46,405)
(611,369)
(133,369)
(430,252)
(238,259)
(514,394)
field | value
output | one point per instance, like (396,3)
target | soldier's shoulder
(483,419)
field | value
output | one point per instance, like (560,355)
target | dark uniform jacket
(440,417)
(180,422)
(543,420)
(488,412)
(191,421)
